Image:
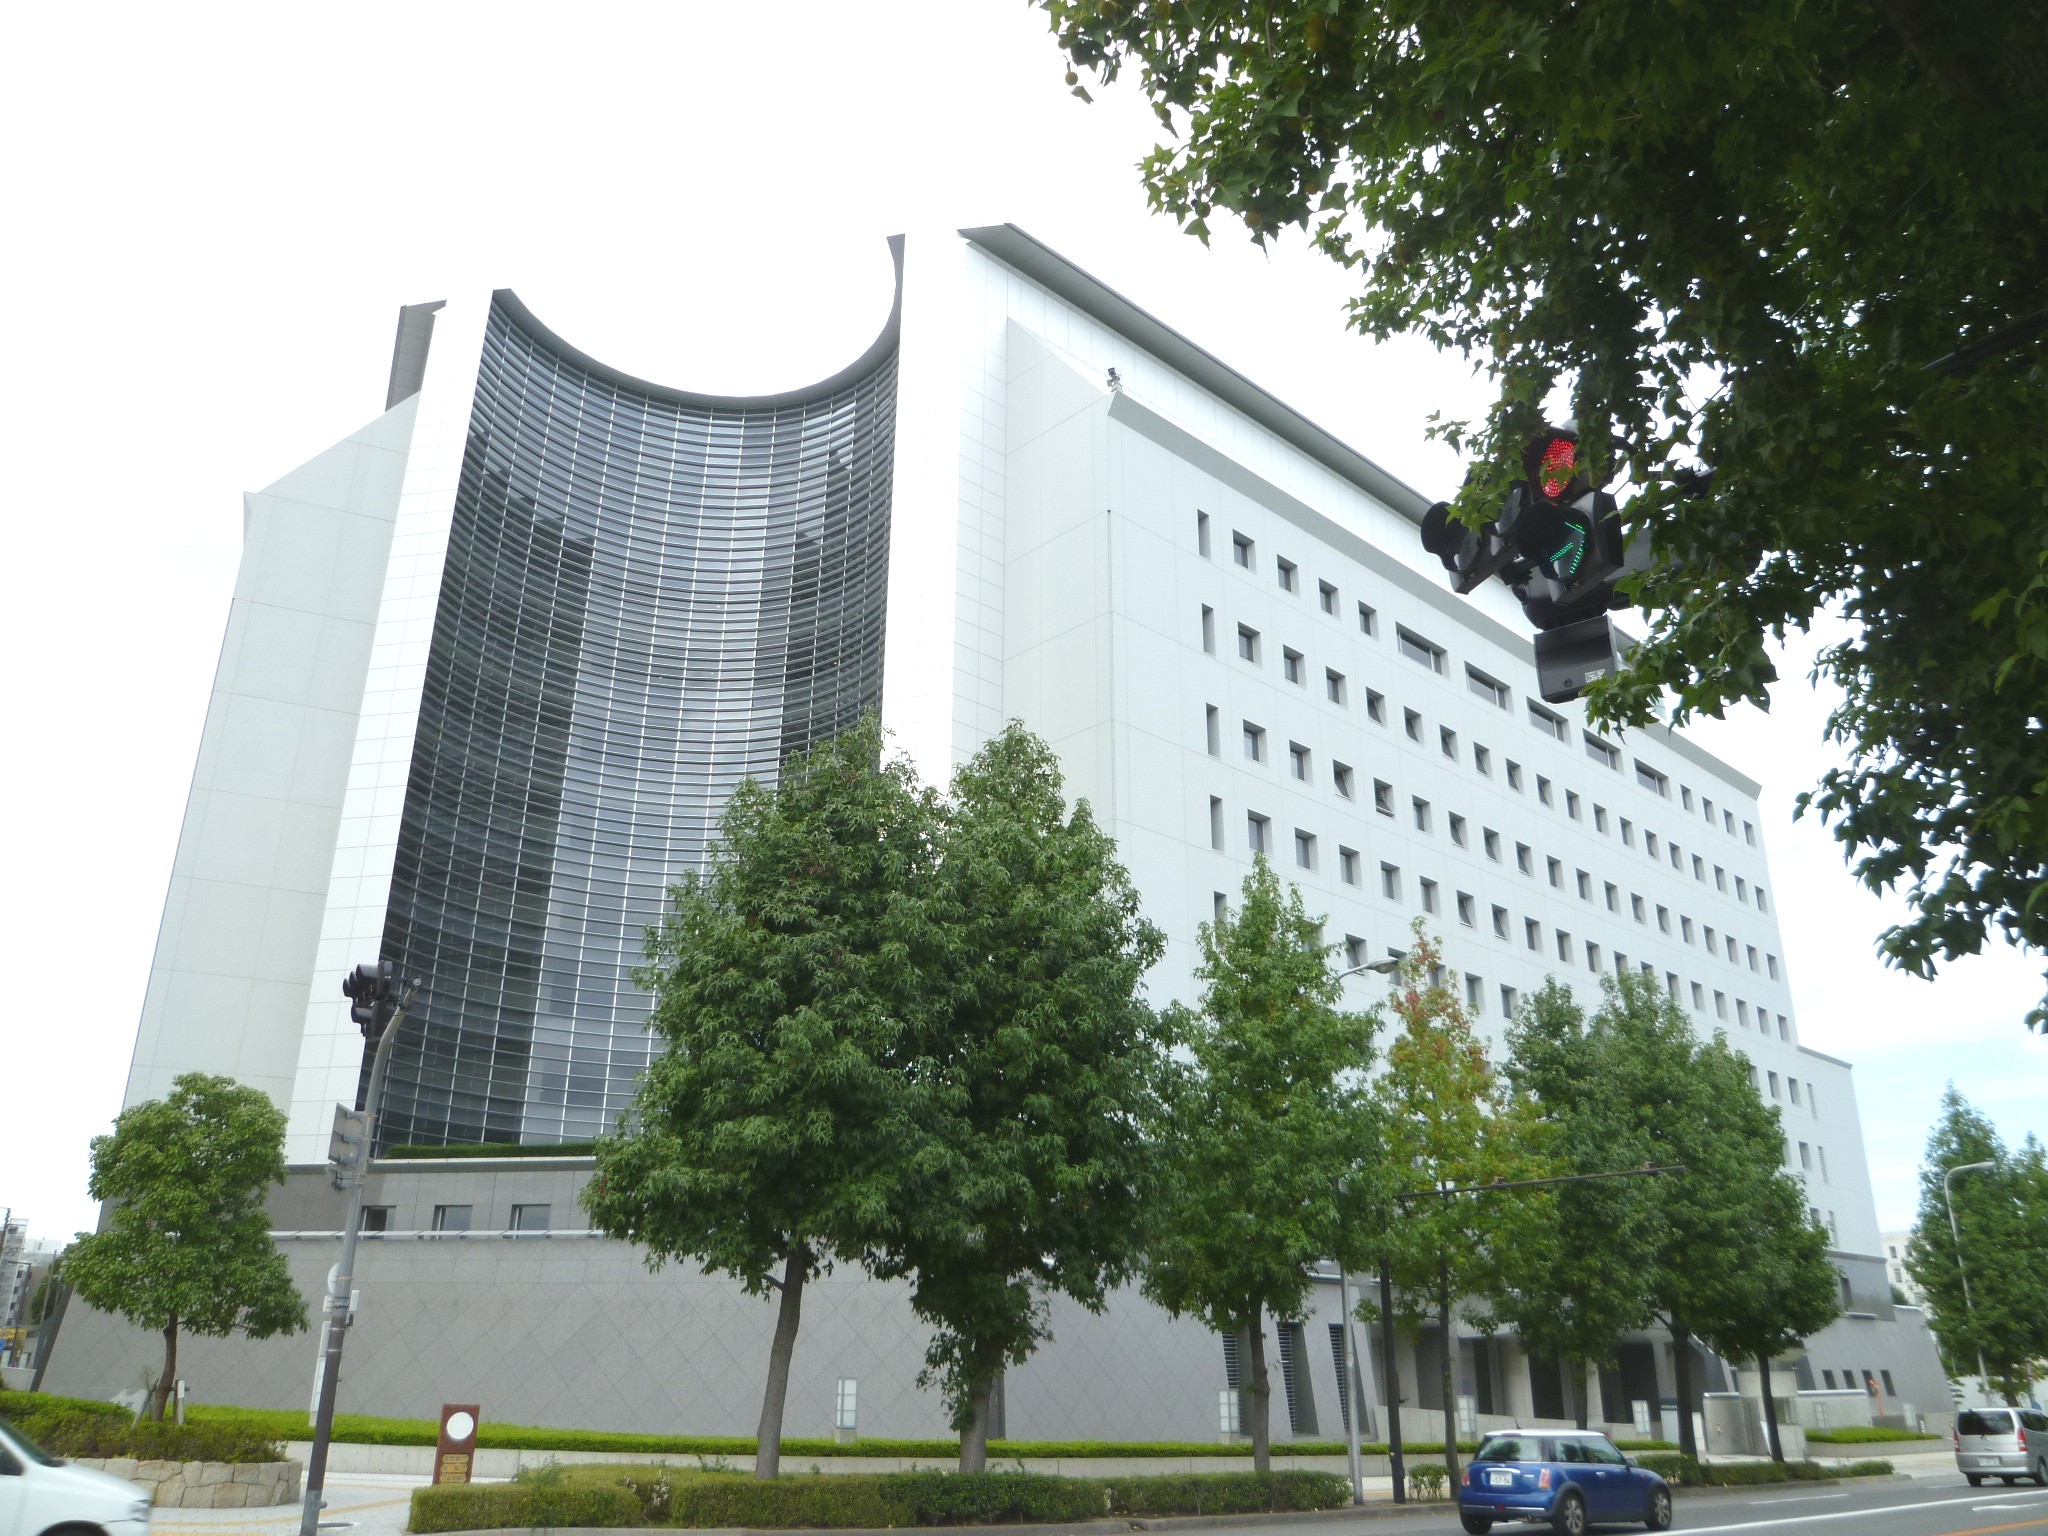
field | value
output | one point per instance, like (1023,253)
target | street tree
(1801,244)
(1449,1123)
(2001,1216)
(1789,1289)
(1573,1285)
(186,1243)
(766,1139)
(1268,1120)
(1032,1158)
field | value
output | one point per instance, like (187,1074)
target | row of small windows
(1336,689)
(1427,653)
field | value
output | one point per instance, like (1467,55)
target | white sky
(214,212)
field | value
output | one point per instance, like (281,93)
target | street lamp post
(1955,1234)
(342,1281)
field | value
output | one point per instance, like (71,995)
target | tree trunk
(1450,1360)
(1262,1396)
(1763,1371)
(974,1442)
(1575,1371)
(160,1394)
(1396,1461)
(1681,1371)
(768,1444)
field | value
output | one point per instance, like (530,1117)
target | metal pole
(1353,1406)
(343,1283)
(1969,1306)
(1396,1465)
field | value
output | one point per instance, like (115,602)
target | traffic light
(1558,544)
(345,1145)
(372,991)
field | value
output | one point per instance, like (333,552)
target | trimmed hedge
(1865,1434)
(72,1426)
(860,1500)
(1683,1471)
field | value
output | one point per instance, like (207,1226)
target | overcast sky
(214,214)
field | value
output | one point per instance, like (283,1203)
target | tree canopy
(1271,1116)
(186,1243)
(2001,1215)
(1802,245)
(787,976)
(1032,1157)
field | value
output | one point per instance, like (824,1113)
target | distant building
(1895,1245)
(496,659)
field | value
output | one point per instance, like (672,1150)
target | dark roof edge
(1013,247)
(879,350)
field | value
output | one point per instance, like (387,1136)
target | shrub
(611,1496)
(1865,1434)
(1684,1471)
(1428,1481)
(70,1426)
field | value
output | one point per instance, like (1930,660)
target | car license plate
(1500,1479)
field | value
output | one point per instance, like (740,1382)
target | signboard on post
(455,1453)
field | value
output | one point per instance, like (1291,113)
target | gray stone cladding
(205,1484)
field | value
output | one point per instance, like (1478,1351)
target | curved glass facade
(648,596)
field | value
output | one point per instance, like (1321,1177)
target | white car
(39,1495)
(2005,1443)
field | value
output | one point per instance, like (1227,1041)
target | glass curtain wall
(648,597)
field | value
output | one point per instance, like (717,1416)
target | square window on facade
(1457,824)
(1671,984)
(1542,790)
(1628,831)
(1510,1000)
(1428,890)
(1760,900)
(1699,997)
(1368,621)
(1383,797)
(1241,550)
(1297,760)
(1720,1005)
(452,1218)
(1613,895)
(1375,707)
(1213,729)
(1412,723)
(1771,964)
(1333,685)
(1347,865)
(1421,809)
(1254,742)
(1515,775)
(375,1218)
(1475,989)
(1525,858)
(1585,884)
(1720,879)
(531,1218)
(1247,643)
(1326,595)
(1710,938)
(1304,849)
(1592,956)
(1489,840)
(1208,629)
(1636,909)
(1749,834)
(1341,779)
(1571,808)
(1494,692)
(1752,956)
(1390,881)
(1259,831)
(1289,576)
(1216,822)
(1564,946)
(1604,753)
(1219,905)
(1685,797)
(1202,534)
(1292,667)
(1663,919)
(1650,843)
(1699,868)
(1685,928)
(1354,950)
(1554,868)
(1532,933)
(1447,739)
(1500,922)
(1467,910)
(1742,1013)
(1650,779)
(1482,759)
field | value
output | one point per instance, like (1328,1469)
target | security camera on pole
(375,1006)
(1558,544)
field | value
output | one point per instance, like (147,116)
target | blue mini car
(1571,1478)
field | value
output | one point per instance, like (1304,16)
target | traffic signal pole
(342,1284)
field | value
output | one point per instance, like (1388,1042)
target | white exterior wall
(234,956)
(330,1049)
(1092,497)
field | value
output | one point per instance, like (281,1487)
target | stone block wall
(205,1484)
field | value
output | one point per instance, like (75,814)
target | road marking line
(1862,1514)
(1801,1498)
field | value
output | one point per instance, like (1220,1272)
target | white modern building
(495,659)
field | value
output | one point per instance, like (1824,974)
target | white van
(2006,1443)
(39,1494)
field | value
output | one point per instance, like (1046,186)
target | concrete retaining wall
(206,1484)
